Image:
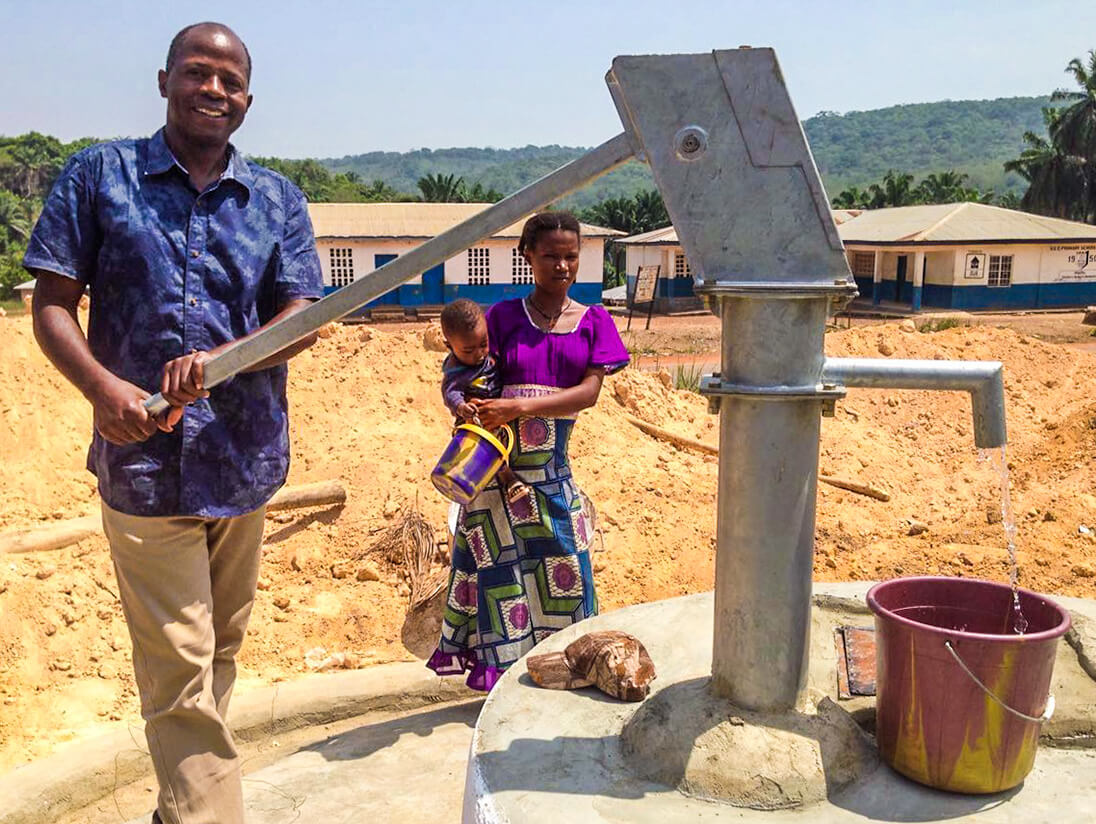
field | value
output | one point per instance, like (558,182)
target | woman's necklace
(549,317)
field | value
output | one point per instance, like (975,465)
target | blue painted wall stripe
(667,287)
(588,293)
(864,286)
(1017,296)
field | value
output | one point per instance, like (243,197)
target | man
(186,247)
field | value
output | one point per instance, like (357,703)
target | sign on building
(976,266)
(1073,263)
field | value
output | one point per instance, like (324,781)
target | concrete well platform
(544,755)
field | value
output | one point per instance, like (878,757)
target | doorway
(900,279)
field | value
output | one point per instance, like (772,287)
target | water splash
(1008,521)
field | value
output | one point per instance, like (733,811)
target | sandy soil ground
(366,411)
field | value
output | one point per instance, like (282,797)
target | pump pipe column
(768,480)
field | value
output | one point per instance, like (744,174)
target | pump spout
(983,379)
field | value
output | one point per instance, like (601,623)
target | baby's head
(465,330)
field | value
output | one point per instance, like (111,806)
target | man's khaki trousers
(187,586)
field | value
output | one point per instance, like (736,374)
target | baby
(470,371)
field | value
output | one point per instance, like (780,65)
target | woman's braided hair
(546,222)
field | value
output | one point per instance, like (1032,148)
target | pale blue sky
(334,78)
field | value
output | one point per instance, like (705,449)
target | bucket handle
(504,428)
(1048,711)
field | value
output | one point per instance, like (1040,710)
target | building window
(1000,270)
(682,269)
(342,267)
(479,266)
(523,272)
(863,264)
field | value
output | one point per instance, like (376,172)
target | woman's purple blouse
(529,355)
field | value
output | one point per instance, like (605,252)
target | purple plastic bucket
(472,459)
(935,640)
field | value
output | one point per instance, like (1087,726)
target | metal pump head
(730,158)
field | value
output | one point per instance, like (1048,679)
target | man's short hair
(178,39)
(460,317)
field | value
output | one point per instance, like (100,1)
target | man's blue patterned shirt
(171,271)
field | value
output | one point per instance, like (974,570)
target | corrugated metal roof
(956,222)
(408,220)
(668,236)
(845,215)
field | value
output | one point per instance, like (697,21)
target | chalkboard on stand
(644,292)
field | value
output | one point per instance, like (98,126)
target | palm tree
(851,198)
(945,187)
(614,213)
(1074,128)
(897,190)
(36,160)
(650,211)
(439,188)
(1061,168)
(15,220)
(1058,181)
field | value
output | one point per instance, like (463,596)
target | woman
(521,568)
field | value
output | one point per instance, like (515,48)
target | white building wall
(940,267)
(362,253)
(645,255)
(456,267)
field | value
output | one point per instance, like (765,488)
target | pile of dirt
(366,410)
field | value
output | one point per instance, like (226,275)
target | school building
(971,256)
(660,247)
(353,239)
(946,256)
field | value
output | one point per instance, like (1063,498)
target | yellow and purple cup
(472,459)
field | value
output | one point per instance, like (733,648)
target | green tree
(1061,168)
(896,189)
(943,187)
(1074,128)
(478,193)
(15,220)
(1057,180)
(321,185)
(650,211)
(634,215)
(30,163)
(852,198)
(17,216)
(439,188)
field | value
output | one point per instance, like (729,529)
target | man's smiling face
(206,87)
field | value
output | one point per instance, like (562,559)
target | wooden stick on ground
(853,486)
(320,493)
(65,533)
(700,446)
(672,437)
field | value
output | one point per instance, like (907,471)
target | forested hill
(853,149)
(971,136)
(505,170)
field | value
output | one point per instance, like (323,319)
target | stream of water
(1008,521)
